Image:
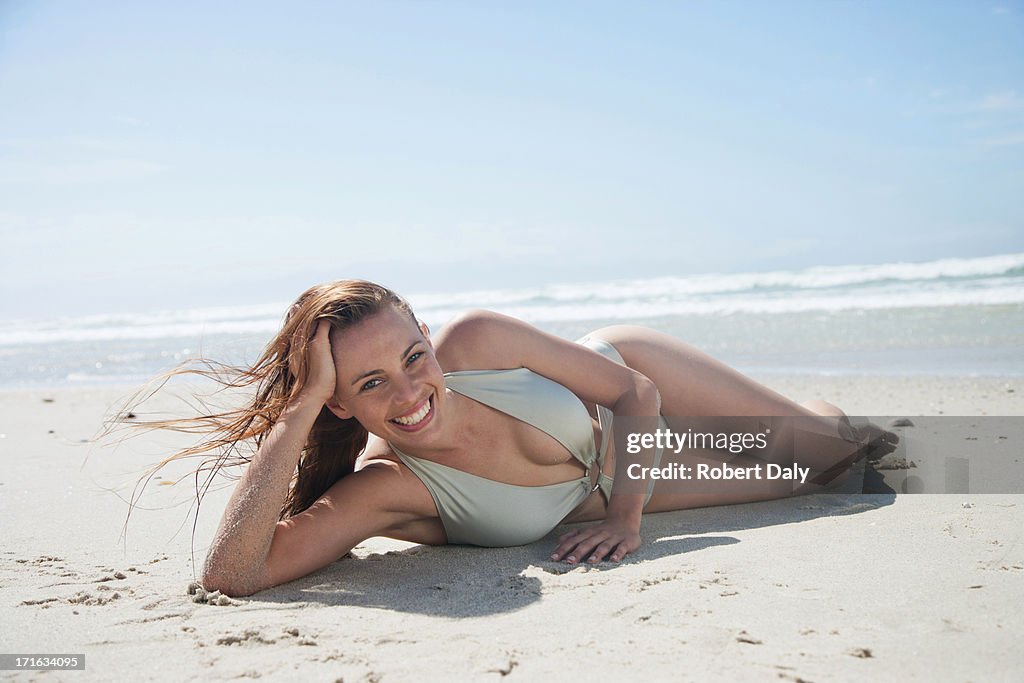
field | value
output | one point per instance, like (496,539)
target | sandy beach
(830,587)
(817,195)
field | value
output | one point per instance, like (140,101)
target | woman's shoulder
(473,341)
(393,488)
(380,468)
(380,458)
(378,453)
(387,487)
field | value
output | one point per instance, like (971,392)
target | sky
(162,155)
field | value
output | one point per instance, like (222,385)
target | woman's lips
(416,419)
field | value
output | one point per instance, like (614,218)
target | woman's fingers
(320,372)
(568,535)
(301,342)
(592,544)
(567,544)
(573,550)
(601,551)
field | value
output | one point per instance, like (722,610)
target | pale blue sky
(169,154)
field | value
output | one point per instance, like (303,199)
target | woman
(478,436)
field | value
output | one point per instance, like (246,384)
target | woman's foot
(873,442)
(877,442)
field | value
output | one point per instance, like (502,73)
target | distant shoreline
(947,317)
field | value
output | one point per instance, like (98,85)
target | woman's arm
(483,339)
(252,550)
(237,562)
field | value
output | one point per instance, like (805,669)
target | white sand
(819,588)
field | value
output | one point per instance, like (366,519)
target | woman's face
(387,377)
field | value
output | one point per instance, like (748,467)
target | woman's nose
(406,390)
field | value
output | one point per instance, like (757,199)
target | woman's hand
(321,380)
(594,543)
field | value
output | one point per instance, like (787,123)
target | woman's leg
(693,384)
(690,381)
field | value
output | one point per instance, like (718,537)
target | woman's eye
(373,383)
(370,385)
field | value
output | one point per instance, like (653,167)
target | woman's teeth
(416,417)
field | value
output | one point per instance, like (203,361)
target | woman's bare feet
(878,442)
(873,441)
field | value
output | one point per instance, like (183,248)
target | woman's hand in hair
(322,377)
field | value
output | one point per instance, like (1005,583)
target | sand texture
(829,587)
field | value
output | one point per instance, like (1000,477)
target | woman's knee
(823,408)
(639,345)
(622,334)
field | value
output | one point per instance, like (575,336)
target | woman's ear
(424,330)
(338,409)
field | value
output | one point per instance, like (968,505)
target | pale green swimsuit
(481,511)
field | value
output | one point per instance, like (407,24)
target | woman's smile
(417,418)
(388,376)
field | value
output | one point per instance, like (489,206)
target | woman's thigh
(691,382)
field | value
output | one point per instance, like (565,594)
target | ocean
(951,316)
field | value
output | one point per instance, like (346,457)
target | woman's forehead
(388,332)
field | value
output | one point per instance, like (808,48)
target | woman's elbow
(227,585)
(229,582)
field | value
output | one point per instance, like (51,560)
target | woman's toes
(877,441)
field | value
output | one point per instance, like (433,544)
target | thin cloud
(1005,141)
(76,173)
(1006,100)
(33,148)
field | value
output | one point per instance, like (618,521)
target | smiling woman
(492,434)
